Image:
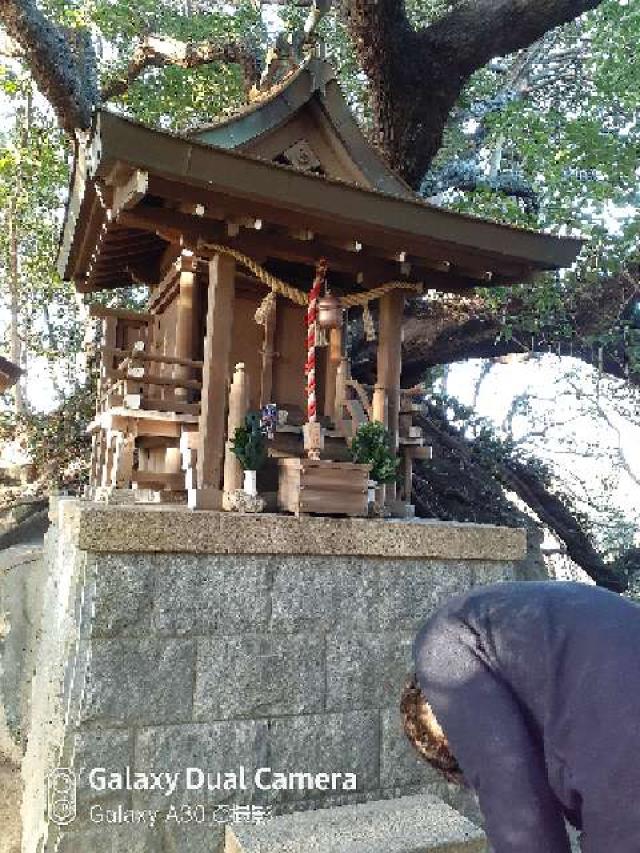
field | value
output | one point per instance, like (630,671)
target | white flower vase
(371,491)
(250,483)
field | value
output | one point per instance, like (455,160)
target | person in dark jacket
(530,693)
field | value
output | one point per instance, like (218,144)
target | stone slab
(97,527)
(367,670)
(140,682)
(347,743)
(209,594)
(259,675)
(217,749)
(418,824)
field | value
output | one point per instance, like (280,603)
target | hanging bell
(329,312)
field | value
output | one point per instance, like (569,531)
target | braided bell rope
(311,320)
(281,287)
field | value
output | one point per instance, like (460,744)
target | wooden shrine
(226,227)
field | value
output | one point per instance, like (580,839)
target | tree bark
(444,332)
(158,51)
(51,62)
(526,483)
(15,342)
(63,64)
(417,76)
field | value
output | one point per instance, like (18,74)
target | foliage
(249,443)
(630,563)
(56,442)
(44,330)
(49,326)
(371,445)
(556,124)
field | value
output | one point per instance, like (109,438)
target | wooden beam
(370,265)
(426,248)
(135,356)
(144,242)
(172,480)
(140,403)
(129,193)
(215,373)
(127,376)
(97,310)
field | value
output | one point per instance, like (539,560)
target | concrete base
(419,824)
(231,643)
(10,796)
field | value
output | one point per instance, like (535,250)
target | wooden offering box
(327,488)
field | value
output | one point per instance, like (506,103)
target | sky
(562,411)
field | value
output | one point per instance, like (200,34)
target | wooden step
(162,480)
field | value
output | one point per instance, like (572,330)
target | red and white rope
(312,316)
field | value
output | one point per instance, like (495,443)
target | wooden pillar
(407,475)
(123,461)
(334,357)
(268,354)
(215,377)
(185,318)
(390,364)
(379,406)
(108,344)
(108,458)
(95,461)
(342,374)
(238,408)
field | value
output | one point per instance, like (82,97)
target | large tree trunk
(15,343)
(63,62)
(417,76)
(51,62)
(461,484)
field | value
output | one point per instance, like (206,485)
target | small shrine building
(240,230)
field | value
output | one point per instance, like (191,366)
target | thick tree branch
(479,30)
(473,474)
(416,77)
(51,62)
(442,332)
(159,51)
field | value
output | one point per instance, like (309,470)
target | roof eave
(236,175)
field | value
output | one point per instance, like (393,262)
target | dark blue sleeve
(610,814)
(488,733)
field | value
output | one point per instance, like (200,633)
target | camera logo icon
(61,796)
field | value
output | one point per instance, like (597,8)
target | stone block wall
(169,646)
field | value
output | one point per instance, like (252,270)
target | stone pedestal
(227,643)
(419,824)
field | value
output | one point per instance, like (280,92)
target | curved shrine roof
(290,177)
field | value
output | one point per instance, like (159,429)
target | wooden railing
(127,380)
